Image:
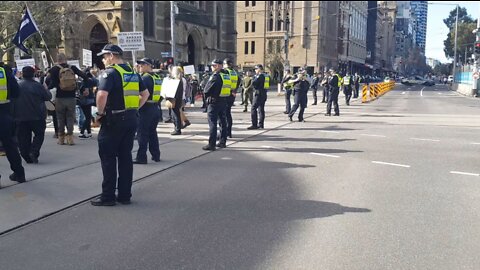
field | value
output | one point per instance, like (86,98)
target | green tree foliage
(50,16)
(464,36)
(443,69)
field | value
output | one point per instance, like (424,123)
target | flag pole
(41,36)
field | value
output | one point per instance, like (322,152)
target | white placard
(74,63)
(44,60)
(16,54)
(131,41)
(189,69)
(169,87)
(25,62)
(87,58)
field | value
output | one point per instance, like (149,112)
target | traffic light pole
(455,49)
(172,28)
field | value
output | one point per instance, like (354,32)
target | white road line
(475,143)
(464,173)
(391,164)
(272,147)
(440,93)
(421,92)
(403,93)
(202,137)
(420,139)
(374,135)
(226,158)
(324,155)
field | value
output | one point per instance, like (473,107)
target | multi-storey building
(292,33)
(420,8)
(352,36)
(204,29)
(405,30)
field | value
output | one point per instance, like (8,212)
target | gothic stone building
(204,30)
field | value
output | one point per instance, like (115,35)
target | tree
(465,23)
(416,62)
(50,17)
(274,63)
(443,69)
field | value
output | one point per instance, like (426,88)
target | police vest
(131,87)
(157,87)
(3,86)
(233,78)
(266,84)
(346,80)
(339,80)
(226,85)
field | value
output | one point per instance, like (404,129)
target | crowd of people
(125,102)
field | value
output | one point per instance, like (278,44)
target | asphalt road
(392,184)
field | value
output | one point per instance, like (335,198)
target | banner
(131,41)
(25,62)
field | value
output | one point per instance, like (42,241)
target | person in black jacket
(259,99)
(301,86)
(216,107)
(30,115)
(334,90)
(9,91)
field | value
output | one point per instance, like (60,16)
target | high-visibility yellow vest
(131,87)
(339,80)
(266,84)
(157,86)
(233,78)
(3,87)
(346,80)
(226,85)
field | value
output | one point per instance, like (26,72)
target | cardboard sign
(169,87)
(87,58)
(25,62)
(44,60)
(189,69)
(131,41)
(74,63)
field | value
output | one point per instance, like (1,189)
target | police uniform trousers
(7,133)
(333,99)
(115,143)
(314,94)
(258,110)
(228,114)
(300,101)
(355,92)
(26,145)
(215,112)
(288,104)
(325,94)
(347,91)
(149,116)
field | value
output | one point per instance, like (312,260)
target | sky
(437,31)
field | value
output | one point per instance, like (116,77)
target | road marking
(226,158)
(391,164)
(475,143)
(202,137)
(374,135)
(324,155)
(421,92)
(271,147)
(440,93)
(420,139)
(403,93)
(329,131)
(465,173)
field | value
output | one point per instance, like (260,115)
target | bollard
(364,94)
(372,93)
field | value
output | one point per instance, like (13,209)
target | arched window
(279,46)
(270,46)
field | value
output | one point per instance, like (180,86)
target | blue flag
(27,28)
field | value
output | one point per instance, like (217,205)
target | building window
(253,47)
(279,25)
(270,24)
(279,46)
(247,3)
(149,18)
(270,46)
(246,27)
(246,47)
(253,27)
(253,3)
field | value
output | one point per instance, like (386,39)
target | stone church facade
(204,30)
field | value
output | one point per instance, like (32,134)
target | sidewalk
(69,175)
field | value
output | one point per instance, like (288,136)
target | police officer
(334,84)
(315,84)
(357,81)
(259,98)
(287,87)
(149,114)
(8,91)
(347,88)
(216,91)
(117,103)
(227,66)
(300,86)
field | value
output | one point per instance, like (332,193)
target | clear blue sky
(437,31)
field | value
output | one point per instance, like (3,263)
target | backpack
(67,79)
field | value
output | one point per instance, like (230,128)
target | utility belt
(215,100)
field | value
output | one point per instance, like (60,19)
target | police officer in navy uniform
(259,99)
(9,90)
(300,86)
(334,84)
(149,114)
(120,94)
(216,91)
(234,83)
